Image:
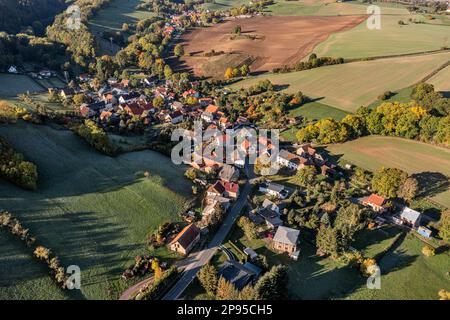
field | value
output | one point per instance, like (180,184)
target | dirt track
(270,42)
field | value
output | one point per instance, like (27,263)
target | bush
(428,251)
(14,168)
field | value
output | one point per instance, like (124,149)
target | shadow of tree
(431,183)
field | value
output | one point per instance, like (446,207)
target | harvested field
(441,81)
(269,42)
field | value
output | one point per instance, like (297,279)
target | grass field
(326,8)
(13,84)
(407,274)
(93,211)
(351,85)
(391,39)
(441,81)
(116,14)
(431,164)
(224,4)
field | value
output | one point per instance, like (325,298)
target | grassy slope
(348,86)
(391,39)
(12,85)
(441,80)
(407,274)
(414,157)
(92,210)
(224,4)
(117,13)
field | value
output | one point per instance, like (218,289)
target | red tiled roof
(212,108)
(187,235)
(376,200)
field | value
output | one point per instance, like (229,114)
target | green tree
(306,175)
(178,50)
(387,181)
(273,284)
(226,290)
(444,226)
(208,279)
(408,190)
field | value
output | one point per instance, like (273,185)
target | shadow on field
(432,183)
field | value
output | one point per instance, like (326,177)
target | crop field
(430,164)
(441,81)
(351,85)
(13,84)
(91,210)
(391,39)
(267,41)
(224,4)
(113,16)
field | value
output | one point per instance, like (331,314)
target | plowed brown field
(266,42)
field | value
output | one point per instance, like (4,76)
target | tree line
(426,118)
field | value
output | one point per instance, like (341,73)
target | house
(223,188)
(133,109)
(327,171)
(425,232)
(105,115)
(190,93)
(207,117)
(376,202)
(290,160)
(204,102)
(177,105)
(410,217)
(129,97)
(224,123)
(272,218)
(270,205)
(185,240)
(89,110)
(66,93)
(237,274)
(273,189)
(174,117)
(229,173)
(249,252)
(12,69)
(286,240)
(149,81)
(305,150)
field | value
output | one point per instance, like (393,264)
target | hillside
(92,210)
(14,15)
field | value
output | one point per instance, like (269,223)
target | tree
(178,50)
(42,253)
(428,251)
(244,70)
(237,30)
(387,181)
(226,290)
(158,102)
(157,269)
(444,226)
(306,175)
(248,293)
(272,285)
(228,73)
(444,294)
(208,279)
(248,227)
(167,72)
(349,219)
(79,99)
(408,190)
(328,241)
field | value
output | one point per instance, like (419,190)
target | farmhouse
(410,217)
(223,188)
(286,240)
(174,117)
(185,240)
(376,202)
(273,189)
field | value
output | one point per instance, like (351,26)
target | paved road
(200,258)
